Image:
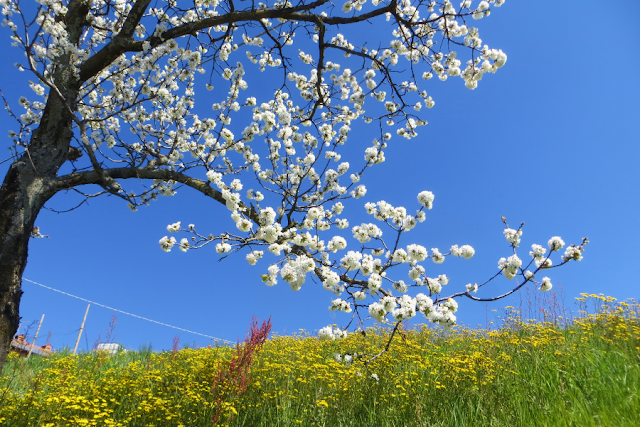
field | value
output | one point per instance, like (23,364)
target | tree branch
(93,177)
(123,41)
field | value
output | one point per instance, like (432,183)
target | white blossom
(172,228)
(223,248)
(510,266)
(417,252)
(537,251)
(377,311)
(166,243)
(556,243)
(337,243)
(436,256)
(331,333)
(425,198)
(467,251)
(513,236)
(572,253)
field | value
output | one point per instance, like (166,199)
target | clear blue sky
(552,140)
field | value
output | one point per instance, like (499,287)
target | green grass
(585,373)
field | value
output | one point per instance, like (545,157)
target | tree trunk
(26,188)
(29,182)
(21,198)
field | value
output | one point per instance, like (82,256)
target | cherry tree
(110,109)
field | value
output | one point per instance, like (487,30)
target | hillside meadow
(549,371)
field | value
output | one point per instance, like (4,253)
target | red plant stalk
(175,349)
(233,378)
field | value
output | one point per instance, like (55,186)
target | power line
(124,312)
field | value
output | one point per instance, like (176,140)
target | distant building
(20,345)
(109,348)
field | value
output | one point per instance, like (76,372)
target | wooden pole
(81,329)
(35,338)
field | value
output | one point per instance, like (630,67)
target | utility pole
(35,338)
(81,329)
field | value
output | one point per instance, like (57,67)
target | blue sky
(550,140)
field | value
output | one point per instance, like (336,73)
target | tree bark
(26,188)
(21,198)
(29,182)
(24,192)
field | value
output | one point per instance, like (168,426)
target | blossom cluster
(273,157)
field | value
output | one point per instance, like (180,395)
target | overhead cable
(124,312)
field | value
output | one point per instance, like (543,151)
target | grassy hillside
(583,373)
